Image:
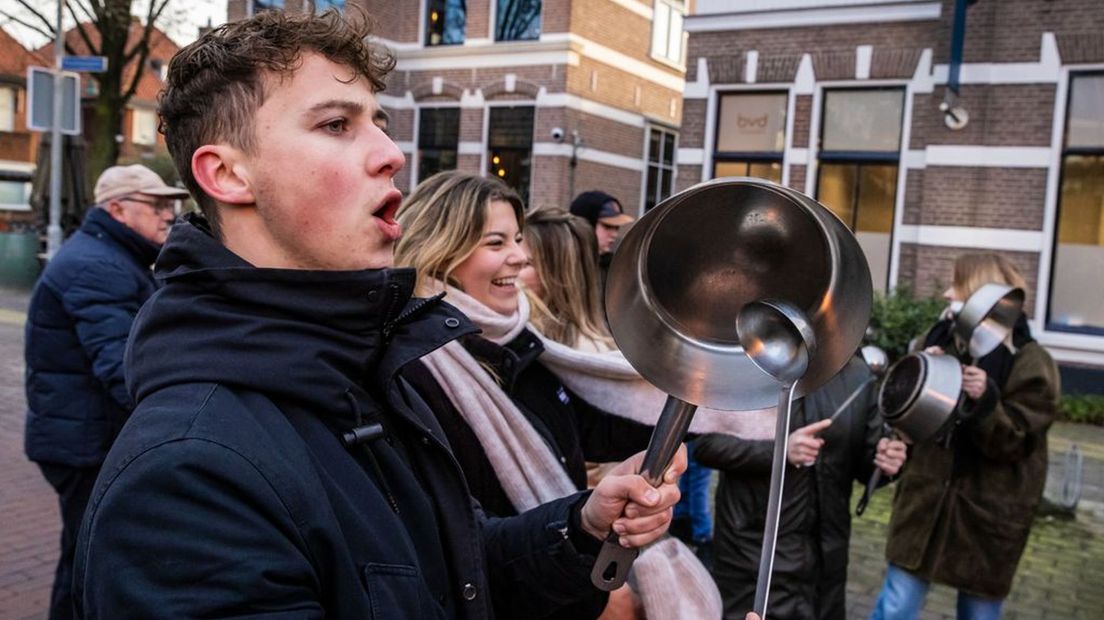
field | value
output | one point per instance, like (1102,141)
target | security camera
(558,134)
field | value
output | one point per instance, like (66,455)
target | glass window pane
(651,197)
(863,120)
(7,109)
(13,193)
(653,145)
(674,38)
(517,20)
(877,195)
(439,127)
(1077,290)
(771,171)
(1085,127)
(445,22)
(730,169)
(322,5)
(664,183)
(836,189)
(661,25)
(511,127)
(752,123)
(668,148)
(510,145)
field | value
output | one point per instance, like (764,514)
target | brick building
(588,92)
(18,147)
(841,99)
(140,139)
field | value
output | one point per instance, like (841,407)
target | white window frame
(660,166)
(664,35)
(18,206)
(138,132)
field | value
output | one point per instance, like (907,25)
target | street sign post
(87,64)
(40,101)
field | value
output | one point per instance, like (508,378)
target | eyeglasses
(159,206)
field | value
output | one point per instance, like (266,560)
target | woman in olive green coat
(964,507)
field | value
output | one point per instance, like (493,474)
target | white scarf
(670,580)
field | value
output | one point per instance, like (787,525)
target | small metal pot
(920,394)
(987,318)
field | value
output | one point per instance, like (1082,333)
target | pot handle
(614,561)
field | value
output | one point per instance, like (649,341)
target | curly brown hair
(216,84)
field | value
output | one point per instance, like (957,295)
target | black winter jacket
(80,314)
(573,429)
(810,565)
(230,493)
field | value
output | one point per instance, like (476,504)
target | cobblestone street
(1061,576)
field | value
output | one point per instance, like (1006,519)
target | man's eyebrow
(351,107)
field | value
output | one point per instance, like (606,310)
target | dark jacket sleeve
(606,437)
(871,430)
(537,566)
(734,453)
(190,529)
(1026,407)
(103,301)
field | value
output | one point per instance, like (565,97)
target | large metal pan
(685,270)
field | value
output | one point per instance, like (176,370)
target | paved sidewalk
(1061,576)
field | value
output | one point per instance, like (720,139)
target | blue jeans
(902,598)
(694,486)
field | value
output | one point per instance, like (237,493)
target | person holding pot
(520,435)
(964,505)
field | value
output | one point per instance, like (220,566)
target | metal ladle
(778,339)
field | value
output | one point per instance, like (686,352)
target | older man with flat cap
(77,325)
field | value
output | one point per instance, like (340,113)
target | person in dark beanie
(605,214)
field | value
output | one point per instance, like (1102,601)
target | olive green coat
(962,514)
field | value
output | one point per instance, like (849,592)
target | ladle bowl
(777,338)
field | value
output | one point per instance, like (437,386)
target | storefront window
(859,163)
(751,135)
(1077,276)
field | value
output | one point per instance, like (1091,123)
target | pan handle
(614,561)
(872,484)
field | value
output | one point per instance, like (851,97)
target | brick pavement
(29,521)
(1059,577)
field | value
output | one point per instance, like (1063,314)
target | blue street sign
(87,64)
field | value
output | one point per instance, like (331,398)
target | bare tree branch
(26,24)
(83,33)
(49,24)
(142,48)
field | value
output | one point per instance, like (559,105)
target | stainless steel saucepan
(679,280)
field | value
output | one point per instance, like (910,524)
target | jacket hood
(99,223)
(306,337)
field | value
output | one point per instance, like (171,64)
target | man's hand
(638,512)
(934,350)
(890,456)
(804,445)
(974,381)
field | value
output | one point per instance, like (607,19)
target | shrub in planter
(898,317)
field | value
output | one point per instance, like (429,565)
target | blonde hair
(443,221)
(972,271)
(564,252)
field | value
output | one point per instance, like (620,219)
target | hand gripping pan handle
(614,561)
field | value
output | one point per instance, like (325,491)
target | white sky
(181,18)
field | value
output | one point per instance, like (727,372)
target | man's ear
(218,171)
(115,209)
